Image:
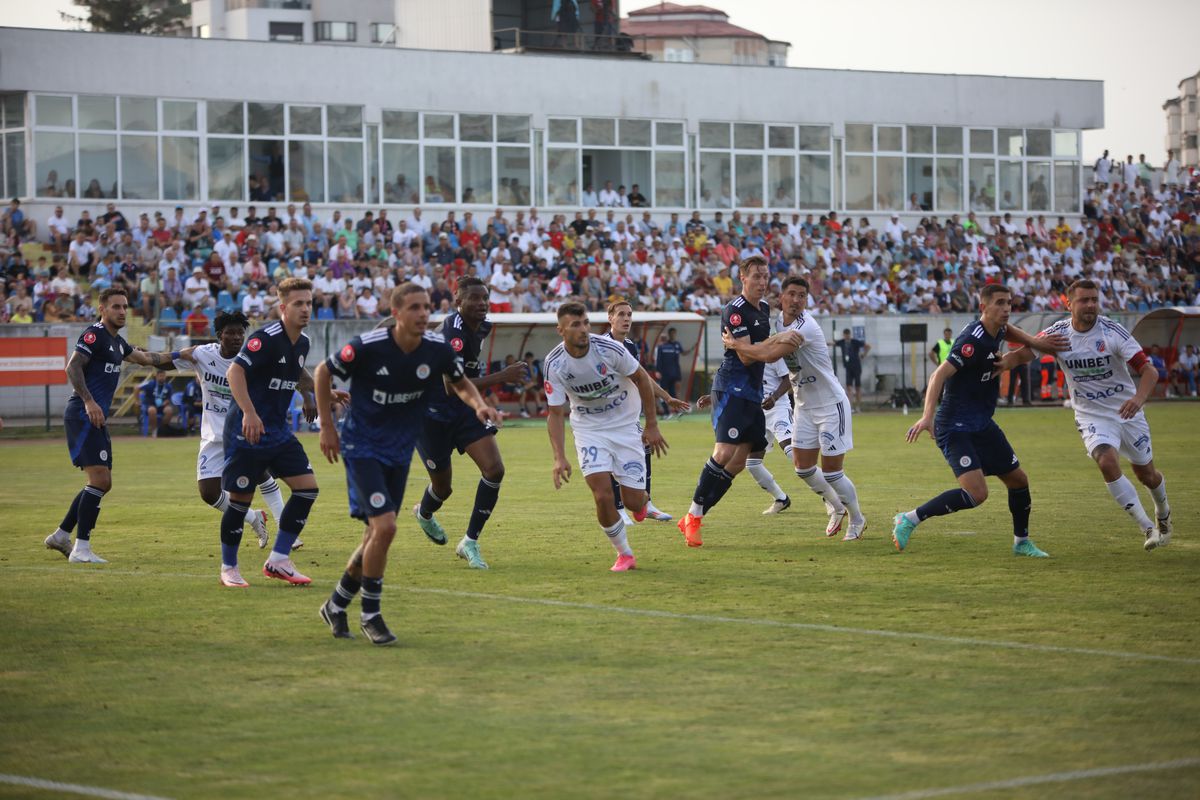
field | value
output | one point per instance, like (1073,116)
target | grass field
(773,662)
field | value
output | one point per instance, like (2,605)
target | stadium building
(158,121)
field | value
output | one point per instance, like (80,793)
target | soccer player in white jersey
(1108,402)
(605,390)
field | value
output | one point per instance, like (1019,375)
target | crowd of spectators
(1140,242)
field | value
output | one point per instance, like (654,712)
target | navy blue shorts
(245,466)
(439,439)
(89,445)
(987,449)
(737,420)
(854,376)
(375,488)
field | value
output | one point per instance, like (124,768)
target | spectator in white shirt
(502,284)
(253,304)
(608,197)
(80,255)
(196,291)
(367,304)
(895,229)
(59,230)
(590,198)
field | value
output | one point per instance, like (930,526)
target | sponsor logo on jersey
(282,385)
(89,337)
(382,371)
(390,398)
(457,344)
(254,345)
(735,319)
(968,350)
(423,371)
(377,500)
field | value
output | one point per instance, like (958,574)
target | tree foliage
(129,16)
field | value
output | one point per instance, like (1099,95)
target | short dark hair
(112,292)
(227,318)
(991,290)
(404,290)
(467,283)
(1082,283)
(794,280)
(572,309)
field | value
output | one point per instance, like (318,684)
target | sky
(1140,50)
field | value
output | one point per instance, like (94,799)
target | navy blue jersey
(106,352)
(741,319)
(969,400)
(273,365)
(468,346)
(629,344)
(666,359)
(389,392)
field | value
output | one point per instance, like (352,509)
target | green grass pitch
(772,673)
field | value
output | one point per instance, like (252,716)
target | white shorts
(210,463)
(621,453)
(824,428)
(779,422)
(1131,437)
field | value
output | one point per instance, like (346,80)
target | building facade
(155,120)
(1183,122)
(701,35)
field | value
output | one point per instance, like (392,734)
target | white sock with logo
(616,536)
(1162,509)
(1127,498)
(764,477)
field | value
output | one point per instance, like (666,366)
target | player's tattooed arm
(79,383)
(148,359)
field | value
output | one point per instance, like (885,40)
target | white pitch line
(765,623)
(1035,780)
(73,788)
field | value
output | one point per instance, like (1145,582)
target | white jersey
(210,369)
(773,374)
(813,382)
(598,385)
(1098,367)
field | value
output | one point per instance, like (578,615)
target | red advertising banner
(33,361)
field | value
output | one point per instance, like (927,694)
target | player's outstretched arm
(771,349)
(933,393)
(469,394)
(557,429)
(323,389)
(516,372)
(1054,343)
(651,434)
(78,381)
(1015,358)
(252,427)
(147,359)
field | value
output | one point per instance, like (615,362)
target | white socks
(1162,509)
(842,484)
(223,503)
(816,481)
(764,477)
(273,497)
(616,536)
(1127,498)
(696,510)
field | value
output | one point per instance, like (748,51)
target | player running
(737,393)
(454,425)
(620,321)
(1108,409)
(94,371)
(258,438)
(392,372)
(606,389)
(971,441)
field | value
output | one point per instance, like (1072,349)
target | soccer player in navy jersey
(962,424)
(454,425)
(392,374)
(737,393)
(94,371)
(258,435)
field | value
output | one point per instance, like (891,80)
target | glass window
(179,115)
(54,111)
(983,141)
(14,164)
(781,181)
(1011,186)
(139,114)
(55,164)
(306,172)
(1066,186)
(400,125)
(749,172)
(859,139)
(981,184)
(345,121)
(266,119)
(889,183)
(474,128)
(949,184)
(139,167)
(890,139)
(226,172)
(669,179)
(860,181)
(277,31)
(634,170)
(14,111)
(1037,173)
(920,138)
(814,137)
(949,140)
(714,134)
(512,170)
(181,167)
(373,164)
(98,165)
(304,120)
(1066,143)
(815,182)
(599,131)
(564,131)
(98,114)
(382,32)
(439,126)
(266,179)
(441,184)
(225,117)
(668,134)
(715,173)
(562,177)
(635,133)
(477,174)
(920,183)
(1037,142)
(748,136)
(335,31)
(345,172)
(1012,142)
(401,166)
(512,128)
(781,137)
